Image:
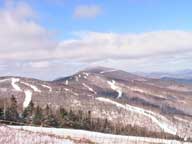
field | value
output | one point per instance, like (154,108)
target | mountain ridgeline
(153,105)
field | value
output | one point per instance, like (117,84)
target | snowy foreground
(9,135)
(40,135)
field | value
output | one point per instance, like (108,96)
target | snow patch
(89,88)
(28,97)
(32,86)
(4,80)
(66,89)
(107,71)
(161,121)
(14,85)
(115,88)
(66,82)
(76,78)
(48,87)
(97,137)
(86,74)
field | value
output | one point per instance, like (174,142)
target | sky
(47,39)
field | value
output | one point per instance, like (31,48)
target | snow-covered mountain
(154,104)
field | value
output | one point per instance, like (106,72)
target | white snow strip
(86,74)
(97,137)
(70,91)
(115,88)
(14,85)
(28,97)
(48,87)
(85,77)
(108,71)
(181,119)
(89,88)
(32,86)
(79,76)
(74,93)
(4,80)
(66,82)
(66,89)
(161,121)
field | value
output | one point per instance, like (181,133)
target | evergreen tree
(38,116)
(11,112)
(87,121)
(64,117)
(49,119)
(28,113)
(1,113)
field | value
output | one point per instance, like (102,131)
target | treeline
(77,119)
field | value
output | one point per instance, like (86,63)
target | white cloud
(21,37)
(39,64)
(87,11)
(97,46)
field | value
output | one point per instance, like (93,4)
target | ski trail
(32,86)
(161,121)
(28,97)
(115,88)
(14,85)
(48,87)
(89,88)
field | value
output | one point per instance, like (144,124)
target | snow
(10,135)
(89,88)
(97,137)
(115,88)
(181,119)
(4,80)
(76,78)
(84,77)
(32,86)
(48,87)
(107,71)
(66,82)
(14,85)
(28,97)
(86,74)
(68,90)
(161,121)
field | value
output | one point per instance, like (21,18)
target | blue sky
(122,16)
(69,35)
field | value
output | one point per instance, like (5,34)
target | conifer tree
(11,111)
(38,116)
(49,119)
(28,113)
(1,113)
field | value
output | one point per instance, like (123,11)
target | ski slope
(160,120)
(115,88)
(99,138)
(28,97)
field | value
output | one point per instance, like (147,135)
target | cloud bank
(26,45)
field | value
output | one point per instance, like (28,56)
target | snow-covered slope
(121,97)
(99,138)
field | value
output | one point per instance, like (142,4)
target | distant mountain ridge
(154,104)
